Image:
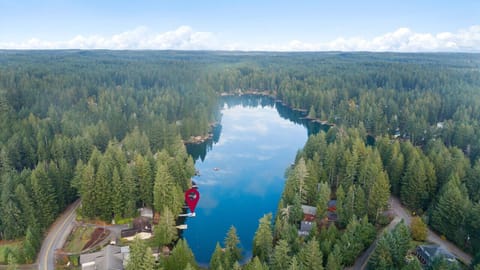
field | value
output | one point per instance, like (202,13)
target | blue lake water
(242,175)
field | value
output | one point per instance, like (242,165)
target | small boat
(216,169)
(188,215)
(182,227)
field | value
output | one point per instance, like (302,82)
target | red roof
(307,217)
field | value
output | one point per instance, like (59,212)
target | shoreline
(199,139)
(273,95)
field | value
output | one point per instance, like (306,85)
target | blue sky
(247,25)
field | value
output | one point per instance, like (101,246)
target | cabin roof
(305,228)
(309,210)
(430,252)
(111,257)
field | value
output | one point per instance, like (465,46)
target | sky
(302,25)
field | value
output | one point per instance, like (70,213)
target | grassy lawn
(78,238)
(4,245)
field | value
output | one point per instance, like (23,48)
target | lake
(242,171)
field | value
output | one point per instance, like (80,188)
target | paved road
(402,213)
(57,234)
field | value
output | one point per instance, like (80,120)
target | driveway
(432,236)
(361,261)
(402,212)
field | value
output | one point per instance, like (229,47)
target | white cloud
(185,38)
(401,40)
(182,38)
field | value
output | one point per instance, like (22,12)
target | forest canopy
(73,121)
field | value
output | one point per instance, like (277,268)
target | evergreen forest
(110,127)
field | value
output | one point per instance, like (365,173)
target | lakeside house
(305,228)
(309,215)
(309,212)
(142,226)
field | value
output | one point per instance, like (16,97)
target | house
(141,225)
(332,205)
(305,228)
(309,215)
(397,133)
(309,212)
(110,258)
(332,211)
(146,212)
(428,253)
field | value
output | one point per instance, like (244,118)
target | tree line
(114,122)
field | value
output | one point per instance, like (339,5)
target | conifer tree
(141,257)
(131,193)
(189,267)
(323,199)
(148,261)
(342,207)
(294,265)
(166,192)
(334,261)
(11,220)
(103,199)
(43,195)
(233,252)
(217,258)
(347,203)
(255,264)
(118,195)
(395,168)
(31,244)
(263,239)
(181,256)
(165,231)
(236,266)
(280,258)
(360,204)
(311,181)
(300,174)
(401,244)
(145,180)
(311,113)
(88,191)
(448,216)
(310,256)
(382,257)
(414,183)
(378,196)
